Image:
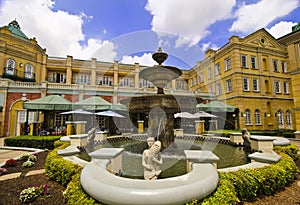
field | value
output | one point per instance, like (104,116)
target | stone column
(93,72)
(199,127)
(136,75)
(69,70)
(80,127)
(116,74)
(140,126)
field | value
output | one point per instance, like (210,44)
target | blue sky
(131,30)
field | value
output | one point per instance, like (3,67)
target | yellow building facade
(257,74)
(252,74)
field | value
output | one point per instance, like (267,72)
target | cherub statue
(152,160)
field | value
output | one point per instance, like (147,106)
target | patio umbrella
(184,115)
(93,103)
(216,106)
(118,106)
(109,113)
(51,102)
(79,111)
(204,114)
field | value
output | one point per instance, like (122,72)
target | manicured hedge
(243,185)
(233,187)
(40,142)
(68,174)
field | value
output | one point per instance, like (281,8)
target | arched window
(10,66)
(257,117)
(28,71)
(280,117)
(288,117)
(247,117)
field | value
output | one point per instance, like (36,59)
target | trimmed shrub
(40,142)
(68,174)
(291,150)
(74,194)
(59,169)
(243,185)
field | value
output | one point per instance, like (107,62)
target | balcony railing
(14,74)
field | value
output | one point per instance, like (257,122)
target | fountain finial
(159,56)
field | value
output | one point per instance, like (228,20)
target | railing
(23,85)
(14,74)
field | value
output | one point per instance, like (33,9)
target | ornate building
(257,74)
(253,74)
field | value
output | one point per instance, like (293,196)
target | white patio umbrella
(184,115)
(204,114)
(79,111)
(109,113)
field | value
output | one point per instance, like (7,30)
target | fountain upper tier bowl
(160,75)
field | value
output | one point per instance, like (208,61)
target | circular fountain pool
(174,161)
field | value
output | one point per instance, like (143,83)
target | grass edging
(233,187)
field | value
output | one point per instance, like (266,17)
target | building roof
(15,29)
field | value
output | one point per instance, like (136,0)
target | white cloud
(58,31)
(145,59)
(280,29)
(190,19)
(208,45)
(252,17)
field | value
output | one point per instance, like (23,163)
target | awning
(215,106)
(93,103)
(51,102)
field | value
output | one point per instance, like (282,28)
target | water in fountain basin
(174,162)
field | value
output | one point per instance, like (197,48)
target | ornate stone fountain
(160,108)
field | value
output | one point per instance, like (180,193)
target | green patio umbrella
(51,102)
(119,107)
(93,103)
(216,106)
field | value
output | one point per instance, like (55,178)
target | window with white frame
(28,71)
(145,84)
(284,66)
(257,117)
(275,65)
(277,87)
(201,77)
(194,81)
(255,84)
(209,73)
(280,117)
(248,117)
(228,86)
(218,69)
(82,79)
(227,64)
(126,82)
(105,80)
(253,62)
(246,84)
(10,66)
(181,84)
(210,89)
(286,87)
(219,89)
(288,117)
(244,61)
(21,116)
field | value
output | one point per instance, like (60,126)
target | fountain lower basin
(106,187)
